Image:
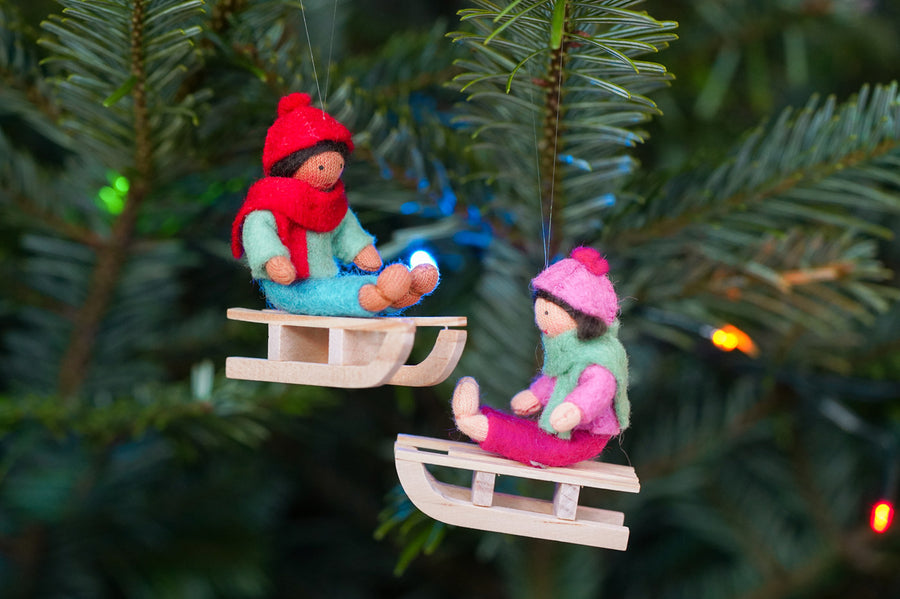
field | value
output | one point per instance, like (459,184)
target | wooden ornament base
(356,353)
(481,508)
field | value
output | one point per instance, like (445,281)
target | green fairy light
(122,184)
(112,200)
(112,197)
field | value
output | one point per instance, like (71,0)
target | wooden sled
(481,508)
(329,351)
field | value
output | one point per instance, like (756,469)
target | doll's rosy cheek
(551,319)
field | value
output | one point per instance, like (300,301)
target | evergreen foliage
(760,189)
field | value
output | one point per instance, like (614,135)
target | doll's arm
(368,259)
(529,401)
(542,387)
(593,394)
(350,240)
(261,244)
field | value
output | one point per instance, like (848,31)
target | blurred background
(743,180)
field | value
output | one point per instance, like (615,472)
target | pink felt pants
(522,440)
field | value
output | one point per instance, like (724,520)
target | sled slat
(565,501)
(300,344)
(345,322)
(483,488)
(511,514)
(468,457)
(438,365)
(347,352)
(353,347)
(391,354)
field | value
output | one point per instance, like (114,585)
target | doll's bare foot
(424,280)
(392,284)
(466,413)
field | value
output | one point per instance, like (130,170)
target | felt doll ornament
(579,400)
(565,418)
(295,224)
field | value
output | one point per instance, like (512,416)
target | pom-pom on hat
(581,282)
(300,126)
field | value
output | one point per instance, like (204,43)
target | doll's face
(322,171)
(551,319)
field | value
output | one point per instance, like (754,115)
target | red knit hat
(300,126)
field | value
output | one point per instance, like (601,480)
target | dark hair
(587,327)
(287,166)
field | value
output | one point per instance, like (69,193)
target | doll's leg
(391,284)
(517,438)
(468,418)
(424,280)
(524,441)
(336,296)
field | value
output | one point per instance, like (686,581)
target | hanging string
(312,58)
(537,164)
(330,48)
(553,171)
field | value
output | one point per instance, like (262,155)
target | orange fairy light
(882,516)
(729,338)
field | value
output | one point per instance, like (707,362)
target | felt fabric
(261,242)
(335,296)
(594,395)
(581,282)
(300,126)
(542,387)
(567,358)
(522,440)
(297,207)
(343,243)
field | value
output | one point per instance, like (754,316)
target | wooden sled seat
(330,351)
(481,508)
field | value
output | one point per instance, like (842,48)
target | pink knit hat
(581,281)
(300,126)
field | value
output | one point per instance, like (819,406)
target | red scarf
(298,207)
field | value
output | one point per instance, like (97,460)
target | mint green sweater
(261,243)
(566,357)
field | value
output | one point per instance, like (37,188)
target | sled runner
(330,351)
(481,508)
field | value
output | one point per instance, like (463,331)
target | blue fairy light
(421,257)
(409,207)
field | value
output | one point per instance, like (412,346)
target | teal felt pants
(336,296)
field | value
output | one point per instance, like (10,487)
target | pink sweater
(593,395)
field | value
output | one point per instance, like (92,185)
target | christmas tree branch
(112,255)
(574,116)
(700,444)
(747,199)
(223,12)
(859,550)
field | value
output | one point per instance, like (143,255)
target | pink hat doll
(579,400)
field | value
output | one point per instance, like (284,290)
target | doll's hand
(280,270)
(525,403)
(368,259)
(565,417)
